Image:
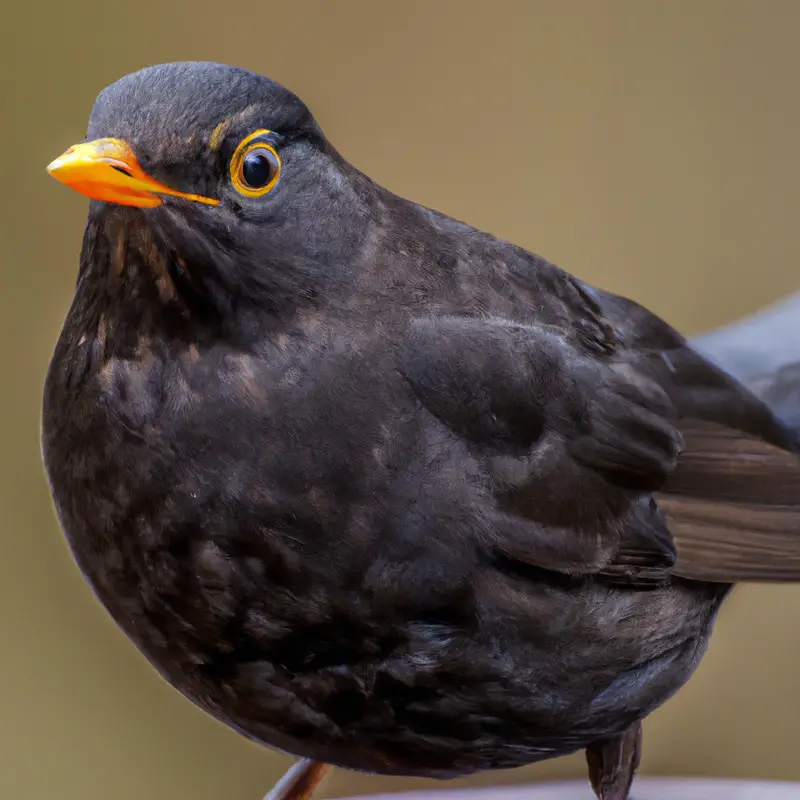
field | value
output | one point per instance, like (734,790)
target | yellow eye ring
(255,166)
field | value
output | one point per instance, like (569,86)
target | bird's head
(217,186)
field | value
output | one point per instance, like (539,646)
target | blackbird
(371,486)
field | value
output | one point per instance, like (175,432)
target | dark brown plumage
(374,487)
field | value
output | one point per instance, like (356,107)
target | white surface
(762,342)
(643,789)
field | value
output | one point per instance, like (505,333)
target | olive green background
(648,146)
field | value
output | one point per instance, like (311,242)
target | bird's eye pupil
(257,169)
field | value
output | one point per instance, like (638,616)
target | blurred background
(648,147)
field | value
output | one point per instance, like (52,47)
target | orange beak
(107,169)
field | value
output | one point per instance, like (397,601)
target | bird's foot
(300,782)
(613,764)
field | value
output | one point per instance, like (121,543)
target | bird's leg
(613,763)
(300,781)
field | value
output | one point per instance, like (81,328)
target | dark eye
(255,166)
(258,168)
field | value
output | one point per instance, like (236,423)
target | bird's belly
(258,629)
(421,701)
(303,672)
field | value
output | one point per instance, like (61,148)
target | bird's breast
(211,490)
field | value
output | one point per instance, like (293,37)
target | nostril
(122,170)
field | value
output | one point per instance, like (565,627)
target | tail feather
(733,507)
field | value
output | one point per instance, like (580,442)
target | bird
(373,487)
